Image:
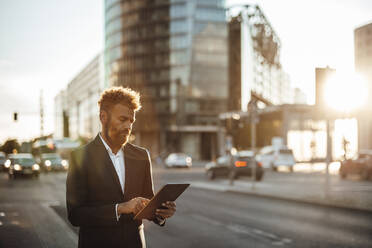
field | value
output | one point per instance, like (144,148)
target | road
(32,214)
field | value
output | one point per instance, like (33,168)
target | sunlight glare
(346,92)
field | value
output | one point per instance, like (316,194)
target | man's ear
(103,116)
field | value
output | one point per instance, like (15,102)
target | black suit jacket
(93,189)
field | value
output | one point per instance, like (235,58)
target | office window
(179,42)
(179,10)
(179,26)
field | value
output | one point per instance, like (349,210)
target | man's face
(119,124)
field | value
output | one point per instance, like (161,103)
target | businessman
(110,180)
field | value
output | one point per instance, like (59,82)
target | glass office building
(175,54)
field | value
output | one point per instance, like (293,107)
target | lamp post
(252,109)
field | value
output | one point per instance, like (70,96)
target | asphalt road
(32,212)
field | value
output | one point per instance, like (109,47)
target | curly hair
(115,95)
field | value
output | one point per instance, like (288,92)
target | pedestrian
(110,180)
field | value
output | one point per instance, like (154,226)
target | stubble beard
(119,141)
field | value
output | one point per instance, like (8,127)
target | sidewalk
(301,187)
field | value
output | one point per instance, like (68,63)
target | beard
(118,138)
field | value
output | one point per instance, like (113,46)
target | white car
(272,157)
(178,160)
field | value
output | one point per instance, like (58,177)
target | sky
(45,43)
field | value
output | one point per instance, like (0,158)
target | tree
(10,146)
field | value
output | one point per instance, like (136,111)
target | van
(272,157)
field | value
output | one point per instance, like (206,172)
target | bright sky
(45,43)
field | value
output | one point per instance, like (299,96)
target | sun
(346,92)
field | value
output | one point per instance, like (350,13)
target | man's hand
(168,210)
(133,206)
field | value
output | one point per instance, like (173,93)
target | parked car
(235,166)
(22,164)
(2,161)
(272,157)
(360,165)
(53,162)
(178,160)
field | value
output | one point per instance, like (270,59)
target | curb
(322,204)
(283,198)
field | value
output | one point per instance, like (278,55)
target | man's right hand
(133,206)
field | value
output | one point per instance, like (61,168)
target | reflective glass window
(108,3)
(210,59)
(210,45)
(178,58)
(178,73)
(210,29)
(210,14)
(113,26)
(179,26)
(114,40)
(218,3)
(114,54)
(180,41)
(178,10)
(114,11)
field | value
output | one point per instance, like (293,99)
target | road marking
(241,229)
(209,186)
(2,214)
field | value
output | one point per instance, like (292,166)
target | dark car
(22,164)
(361,165)
(241,164)
(2,162)
(53,162)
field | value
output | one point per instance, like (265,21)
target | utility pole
(329,157)
(252,108)
(41,114)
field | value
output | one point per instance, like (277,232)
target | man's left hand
(168,210)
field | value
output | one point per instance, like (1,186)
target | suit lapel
(107,162)
(131,167)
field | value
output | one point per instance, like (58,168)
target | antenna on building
(41,113)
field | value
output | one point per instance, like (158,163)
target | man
(109,180)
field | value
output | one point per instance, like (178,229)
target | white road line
(202,185)
(2,214)
(240,229)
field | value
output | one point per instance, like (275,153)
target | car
(360,165)
(273,157)
(22,164)
(174,160)
(53,162)
(2,162)
(240,164)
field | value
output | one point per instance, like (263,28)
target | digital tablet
(169,192)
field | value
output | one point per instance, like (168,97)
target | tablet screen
(169,192)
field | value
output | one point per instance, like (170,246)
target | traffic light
(15,116)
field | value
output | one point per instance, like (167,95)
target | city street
(32,214)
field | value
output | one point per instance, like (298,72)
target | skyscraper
(175,53)
(363,66)
(255,71)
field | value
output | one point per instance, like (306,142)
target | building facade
(76,108)
(363,66)
(255,71)
(322,77)
(175,53)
